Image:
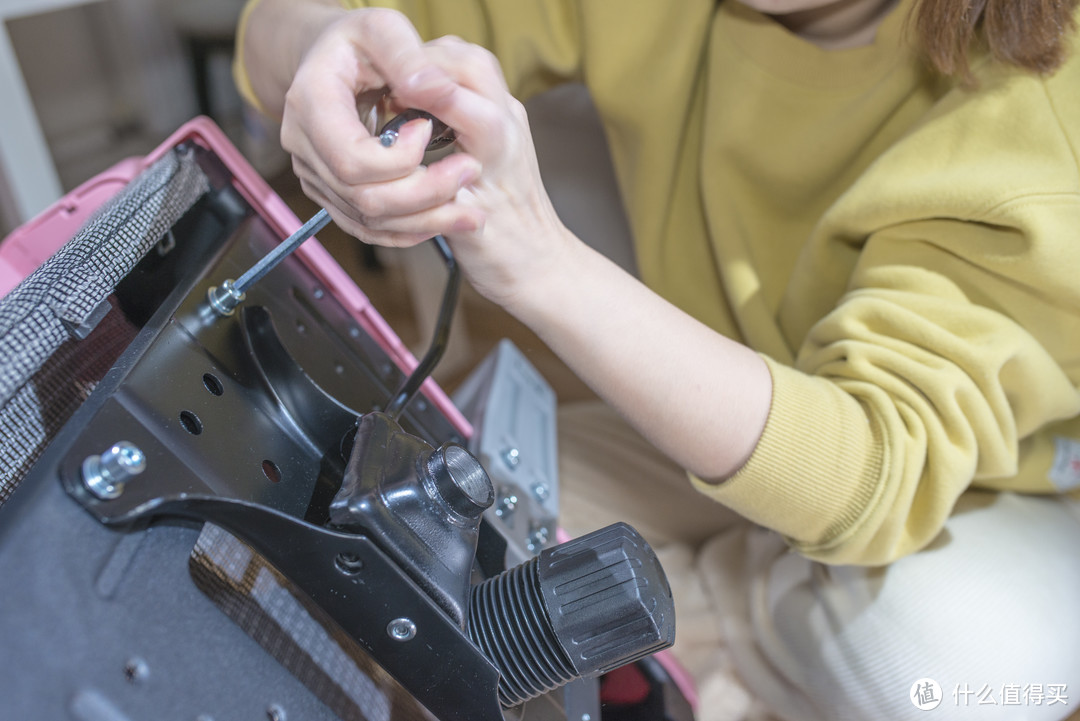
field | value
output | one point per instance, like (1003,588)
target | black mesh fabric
(45,371)
(296,632)
(38,409)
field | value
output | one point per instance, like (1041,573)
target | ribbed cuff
(814,474)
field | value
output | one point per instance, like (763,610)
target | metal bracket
(234,430)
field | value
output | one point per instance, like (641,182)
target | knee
(988,613)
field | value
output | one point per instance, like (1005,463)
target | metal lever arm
(440,338)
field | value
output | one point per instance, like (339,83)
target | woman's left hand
(502,226)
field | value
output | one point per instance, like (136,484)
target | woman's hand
(379,194)
(501,224)
(487,199)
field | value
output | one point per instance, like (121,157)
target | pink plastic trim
(33,243)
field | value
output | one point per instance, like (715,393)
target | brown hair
(1026,33)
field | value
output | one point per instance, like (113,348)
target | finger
(475,100)
(368,161)
(478,121)
(427,187)
(340,66)
(350,225)
(318,191)
(372,204)
(446,219)
(472,65)
(365,51)
(398,231)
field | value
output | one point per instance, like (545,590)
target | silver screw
(507,505)
(105,475)
(538,537)
(225,297)
(401,629)
(512,457)
(541,491)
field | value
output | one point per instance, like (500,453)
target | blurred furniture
(208,28)
(28,176)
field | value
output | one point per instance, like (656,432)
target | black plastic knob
(577,610)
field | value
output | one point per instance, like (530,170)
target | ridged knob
(577,610)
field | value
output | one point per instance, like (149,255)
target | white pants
(990,612)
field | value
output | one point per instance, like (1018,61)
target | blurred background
(87,83)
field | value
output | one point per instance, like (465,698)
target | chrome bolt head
(511,457)
(225,297)
(538,538)
(105,475)
(507,505)
(401,629)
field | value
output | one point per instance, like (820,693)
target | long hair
(1030,34)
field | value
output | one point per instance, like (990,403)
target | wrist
(552,284)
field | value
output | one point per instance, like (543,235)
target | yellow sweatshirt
(904,253)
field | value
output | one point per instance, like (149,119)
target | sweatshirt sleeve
(951,357)
(239,70)
(537,41)
(954,345)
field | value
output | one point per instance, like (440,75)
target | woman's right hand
(338,160)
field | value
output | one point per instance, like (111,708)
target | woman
(858,324)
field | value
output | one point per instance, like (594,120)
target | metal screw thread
(508,621)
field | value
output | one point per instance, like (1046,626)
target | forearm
(276,35)
(700,397)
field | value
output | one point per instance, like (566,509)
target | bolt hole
(213,384)
(349,563)
(271,471)
(136,670)
(191,423)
